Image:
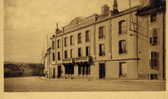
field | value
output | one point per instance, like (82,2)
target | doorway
(59,72)
(53,72)
(102,70)
(122,70)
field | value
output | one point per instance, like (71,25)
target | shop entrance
(102,70)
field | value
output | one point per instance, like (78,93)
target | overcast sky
(28,21)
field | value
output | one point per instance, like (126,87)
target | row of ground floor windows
(86,70)
(82,70)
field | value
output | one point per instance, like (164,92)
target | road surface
(41,84)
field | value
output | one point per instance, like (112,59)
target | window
(101,50)
(79,38)
(71,40)
(58,56)
(65,54)
(53,44)
(122,46)
(65,41)
(153,17)
(58,43)
(122,27)
(87,39)
(154,60)
(79,52)
(87,51)
(101,32)
(69,69)
(154,37)
(71,52)
(53,56)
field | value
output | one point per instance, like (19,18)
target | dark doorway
(59,72)
(102,70)
(69,68)
(53,72)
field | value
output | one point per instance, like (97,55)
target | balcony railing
(77,59)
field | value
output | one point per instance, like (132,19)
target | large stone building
(115,44)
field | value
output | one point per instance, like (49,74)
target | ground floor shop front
(97,70)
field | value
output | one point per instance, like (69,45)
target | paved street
(41,84)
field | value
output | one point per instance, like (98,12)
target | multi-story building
(115,44)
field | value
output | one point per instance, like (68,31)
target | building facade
(115,44)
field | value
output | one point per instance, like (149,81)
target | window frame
(58,43)
(154,37)
(71,53)
(154,60)
(79,52)
(58,56)
(101,49)
(87,51)
(79,38)
(71,40)
(101,32)
(65,54)
(65,41)
(87,36)
(53,56)
(122,29)
(122,48)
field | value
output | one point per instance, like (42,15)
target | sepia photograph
(84,45)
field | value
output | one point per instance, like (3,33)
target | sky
(27,22)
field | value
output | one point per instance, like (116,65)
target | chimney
(105,9)
(115,7)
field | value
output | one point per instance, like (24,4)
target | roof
(158,7)
(80,22)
